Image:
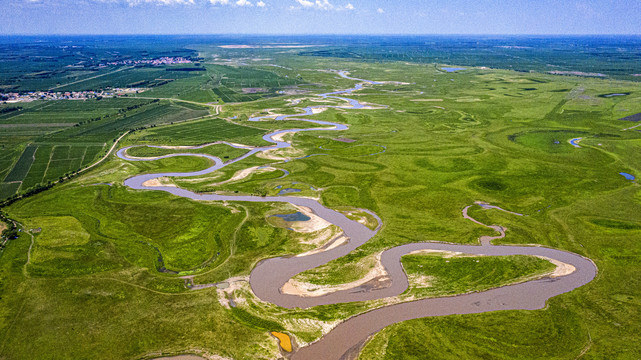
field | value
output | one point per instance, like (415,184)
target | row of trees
(10,108)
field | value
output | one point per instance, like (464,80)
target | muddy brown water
(270,275)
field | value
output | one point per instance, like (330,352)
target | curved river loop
(270,275)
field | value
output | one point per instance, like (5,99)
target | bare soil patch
(159,182)
(562,268)
(376,278)
(253,90)
(315,223)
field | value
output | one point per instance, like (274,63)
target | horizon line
(316,34)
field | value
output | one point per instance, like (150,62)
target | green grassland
(224,152)
(459,274)
(109,258)
(99,316)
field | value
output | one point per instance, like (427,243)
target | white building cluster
(10,98)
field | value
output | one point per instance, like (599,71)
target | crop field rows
(23,165)
(196,133)
(129,78)
(223,83)
(231,82)
(44,79)
(195,88)
(67,135)
(244,77)
(109,128)
(65,111)
(40,163)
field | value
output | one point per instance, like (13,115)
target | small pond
(627,176)
(575,142)
(286,191)
(613,95)
(298,216)
(453,69)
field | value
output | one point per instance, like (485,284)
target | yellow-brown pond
(285,341)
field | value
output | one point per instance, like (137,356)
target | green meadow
(101,273)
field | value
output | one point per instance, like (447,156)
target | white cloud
(159,2)
(305,3)
(319,5)
(235,2)
(380,11)
(324,4)
(133,3)
(299,4)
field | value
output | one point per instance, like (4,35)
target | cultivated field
(46,140)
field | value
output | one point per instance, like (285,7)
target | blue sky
(320,17)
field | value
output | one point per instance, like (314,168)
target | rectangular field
(21,168)
(49,163)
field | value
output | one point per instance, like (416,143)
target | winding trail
(269,276)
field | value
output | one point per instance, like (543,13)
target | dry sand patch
(242,174)
(334,244)
(562,268)
(315,223)
(159,182)
(305,289)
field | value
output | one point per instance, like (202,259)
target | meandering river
(269,276)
